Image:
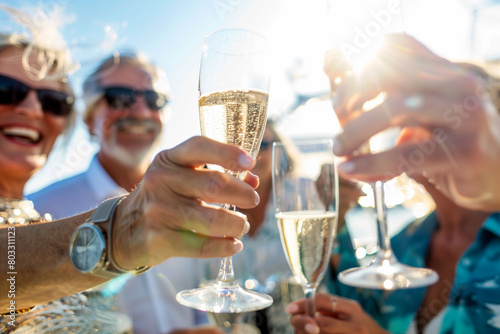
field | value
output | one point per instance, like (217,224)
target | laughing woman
(36,106)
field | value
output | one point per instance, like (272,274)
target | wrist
(91,246)
(124,252)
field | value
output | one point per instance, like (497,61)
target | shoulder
(64,198)
(420,228)
(60,187)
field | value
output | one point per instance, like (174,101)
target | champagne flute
(365,29)
(385,272)
(305,187)
(233,88)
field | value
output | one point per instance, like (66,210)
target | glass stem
(310,294)
(384,242)
(226,272)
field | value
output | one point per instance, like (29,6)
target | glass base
(386,273)
(223,297)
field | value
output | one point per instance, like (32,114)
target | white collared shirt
(76,194)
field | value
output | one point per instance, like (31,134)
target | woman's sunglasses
(123,98)
(54,102)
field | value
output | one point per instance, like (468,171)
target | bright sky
(171,33)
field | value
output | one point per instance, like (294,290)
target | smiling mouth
(137,127)
(21,134)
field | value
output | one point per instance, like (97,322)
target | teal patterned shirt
(474,303)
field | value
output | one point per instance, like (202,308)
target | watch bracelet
(137,271)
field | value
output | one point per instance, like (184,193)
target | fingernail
(257,198)
(346,167)
(247,227)
(245,161)
(310,328)
(292,308)
(238,246)
(337,147)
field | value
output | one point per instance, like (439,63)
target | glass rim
(303,142)
(211,34)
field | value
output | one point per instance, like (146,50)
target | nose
(30,106)
(140,109)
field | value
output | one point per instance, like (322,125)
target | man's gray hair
(92,84)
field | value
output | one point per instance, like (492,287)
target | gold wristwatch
(90,246)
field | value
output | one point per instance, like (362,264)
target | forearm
(35,261)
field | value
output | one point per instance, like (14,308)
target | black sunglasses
(123,97)
(52,101)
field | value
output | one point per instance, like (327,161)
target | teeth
(137,129)
(135,126)
(22,132)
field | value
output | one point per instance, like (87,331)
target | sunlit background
(171,32)
(299,31)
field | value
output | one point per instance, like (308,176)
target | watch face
(87,247)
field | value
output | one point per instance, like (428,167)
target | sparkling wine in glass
(233,88)
(305,187)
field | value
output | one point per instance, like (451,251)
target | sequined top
(18,211)
(92,311)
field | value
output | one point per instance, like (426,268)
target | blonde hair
(46,43)
(92,84)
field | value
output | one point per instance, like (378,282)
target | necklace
(19,211)
(15,211)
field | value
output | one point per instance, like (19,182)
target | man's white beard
(134,158)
